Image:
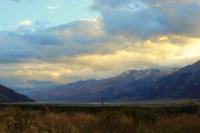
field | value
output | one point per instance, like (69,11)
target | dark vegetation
(99,119)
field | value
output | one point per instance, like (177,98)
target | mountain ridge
(147,84)
(131,82)
(184,83)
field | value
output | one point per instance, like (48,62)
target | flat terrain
(54,118)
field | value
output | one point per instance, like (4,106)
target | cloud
(14,48)
(65,69)
(73,51)
(25,22)
(63,40)
(129,34)
(144,19)
(52,8)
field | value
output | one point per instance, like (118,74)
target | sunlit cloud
(149,33)
(25,22)
(65,69)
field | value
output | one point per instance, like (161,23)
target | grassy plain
(99,119)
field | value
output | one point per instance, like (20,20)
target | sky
(46,42)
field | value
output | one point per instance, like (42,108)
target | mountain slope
(184,83)
(8,95)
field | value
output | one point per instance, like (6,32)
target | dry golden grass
(15,120)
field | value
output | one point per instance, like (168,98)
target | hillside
(184,83)
(7,95)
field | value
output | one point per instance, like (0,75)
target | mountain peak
(149,70)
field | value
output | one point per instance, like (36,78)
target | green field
(44,118)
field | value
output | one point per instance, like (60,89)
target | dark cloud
(20,48)
(141,19)
(147,18)
(63,40)
(14,48)
(42,39)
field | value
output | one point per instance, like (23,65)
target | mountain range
(148,84)
(131,84)
(183,83)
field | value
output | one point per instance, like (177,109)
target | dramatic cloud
(78,67)
(129,34)
(148,18)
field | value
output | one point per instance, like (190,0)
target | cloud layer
(129,34)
